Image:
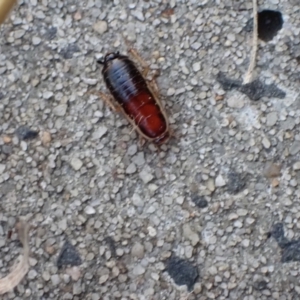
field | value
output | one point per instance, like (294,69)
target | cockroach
(135,97)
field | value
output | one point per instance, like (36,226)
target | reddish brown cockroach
(137,100)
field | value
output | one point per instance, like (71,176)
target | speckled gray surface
(126,208)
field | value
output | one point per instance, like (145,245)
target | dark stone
(255,90)
(112,245)
(260,285)
(51,33)
(277,232)
(291,249)
(68,52)
(68,256)
(269,23)
(1,95)
(182,272)
(236,182)
(227,83)
(199,201)
(25,133)
(7,149)
(291,252)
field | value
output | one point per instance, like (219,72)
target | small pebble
(219,182)
(272,170)
(55,279)
(36,40)
(46,138)
(145,175)
(47,95)
(99,133)
(100,27)
(296,166)
(2,168)
(131,169)
(60,110)
(272,118)
(152,231)
(137,250)
(138,270)
(76,163)
(89,210)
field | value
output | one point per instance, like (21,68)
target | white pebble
(99,133)
(145,175)
(2,168)
(266,143)
(131,169)
(76,163)
(232,216)
(152,231)
(196,66)
(296,166)
(89,210)
(36,40)
(138,270)
(89,81)
(171,91)
(47,95)
(220,181)
(100,27)
(242,212)
(138,14)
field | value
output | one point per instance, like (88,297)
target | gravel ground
(217,208)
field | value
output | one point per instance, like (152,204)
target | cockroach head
(108,57)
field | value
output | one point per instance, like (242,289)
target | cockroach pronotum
(135,97)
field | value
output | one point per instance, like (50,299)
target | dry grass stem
(21,266)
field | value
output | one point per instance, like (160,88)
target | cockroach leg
(142,142)
(109,101)
(156,74)
(141,61)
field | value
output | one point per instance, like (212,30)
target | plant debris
(21,265)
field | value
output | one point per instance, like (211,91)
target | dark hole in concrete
(269,23)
